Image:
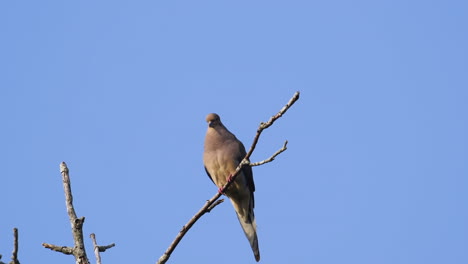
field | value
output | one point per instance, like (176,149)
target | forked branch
(245,162)
(98,249)
(78,250)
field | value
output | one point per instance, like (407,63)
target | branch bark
(78,251)
(63,249)
(98,249)
(14,254)
(14,257)
(214,205)
(245,162)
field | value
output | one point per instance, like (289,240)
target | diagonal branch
(270,122)
(220,201)
(245,162)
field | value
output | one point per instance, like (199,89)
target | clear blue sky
(377,165)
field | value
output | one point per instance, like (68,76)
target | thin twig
(220,201)
(104,248)
(272,157)
(244,162)
(270,122)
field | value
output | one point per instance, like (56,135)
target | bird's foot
(229,179)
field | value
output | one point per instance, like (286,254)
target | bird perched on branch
(223,153)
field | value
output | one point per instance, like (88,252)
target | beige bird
(223,153)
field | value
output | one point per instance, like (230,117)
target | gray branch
(78,251)
(245,162)
(98,249)
(272,158)
(63,249)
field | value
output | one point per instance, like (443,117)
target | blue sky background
(377,165)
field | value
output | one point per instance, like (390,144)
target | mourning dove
(223,153)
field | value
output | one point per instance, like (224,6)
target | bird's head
(213,120)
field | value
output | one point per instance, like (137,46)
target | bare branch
(272,157)
(14,257)
(98,249)
(220,201)
(104,248)
(232,177)
(63,249)
(76,223)
(186,227)
(270,122)
(78,251)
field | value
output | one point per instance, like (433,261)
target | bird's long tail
(245,214)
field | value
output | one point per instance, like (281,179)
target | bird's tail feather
(249,226)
